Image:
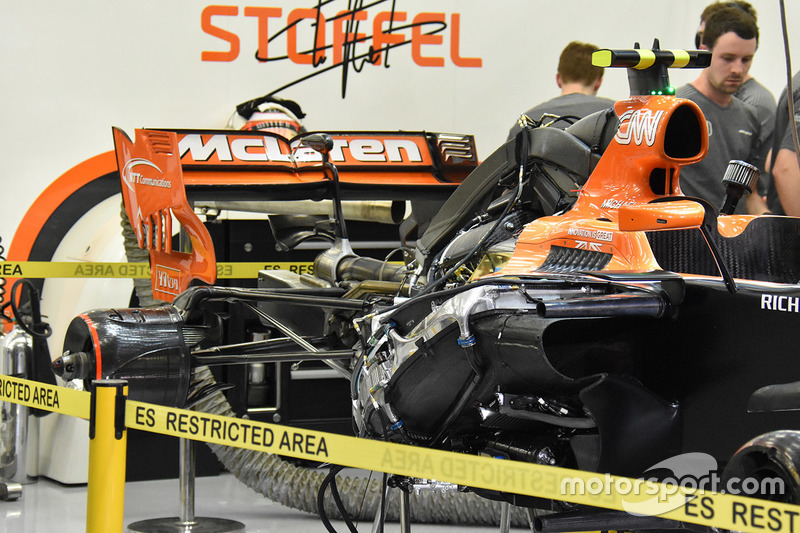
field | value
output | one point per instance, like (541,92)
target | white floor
(48,506)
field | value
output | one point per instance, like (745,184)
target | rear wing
(166,171)
(377,159)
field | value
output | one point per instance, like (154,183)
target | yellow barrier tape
(42,396)
(71,269)
(636,496)
(250,270)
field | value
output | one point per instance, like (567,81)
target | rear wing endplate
(153,192)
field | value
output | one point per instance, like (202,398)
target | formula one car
(566,305)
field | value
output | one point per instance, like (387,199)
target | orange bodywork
(734,226)
(655,217)
(153,192)
(657,136)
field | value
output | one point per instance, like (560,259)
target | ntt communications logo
(664,485)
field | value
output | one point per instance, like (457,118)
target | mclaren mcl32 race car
(565,305)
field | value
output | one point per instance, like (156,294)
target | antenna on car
(647,69)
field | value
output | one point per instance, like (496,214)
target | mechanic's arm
(756,205)
(786,173)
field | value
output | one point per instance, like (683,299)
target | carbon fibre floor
(48,506)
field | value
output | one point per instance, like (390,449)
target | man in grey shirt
(579,82)
(733,126)
(783,196)
(751,91)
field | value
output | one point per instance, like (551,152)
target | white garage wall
(72,70)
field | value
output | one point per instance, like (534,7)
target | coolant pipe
(606,306)
(467,338)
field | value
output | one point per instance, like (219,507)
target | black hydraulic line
(340,505)
(330,480)
(37,328)
(727,277)
(323,515)
(477,377)
(462,403)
